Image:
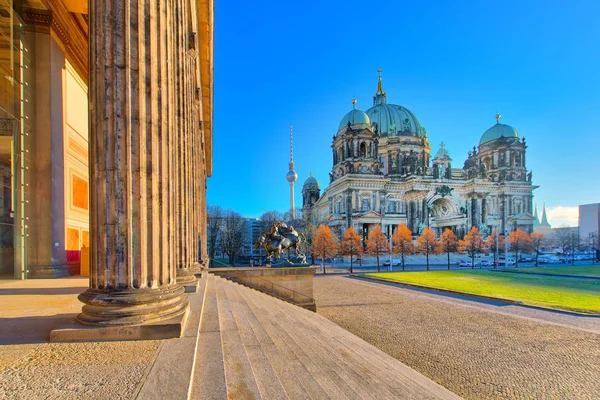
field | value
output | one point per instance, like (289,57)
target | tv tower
(291,177)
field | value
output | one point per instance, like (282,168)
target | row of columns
(144,139)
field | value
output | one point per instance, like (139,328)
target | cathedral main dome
(395,120)
(497,131)
(392,119)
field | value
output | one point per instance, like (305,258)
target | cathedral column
(483,211)
(132,269)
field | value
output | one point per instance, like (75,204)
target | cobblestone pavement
(474,352)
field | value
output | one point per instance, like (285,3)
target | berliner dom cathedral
(383,172)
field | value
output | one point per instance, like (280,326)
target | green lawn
(547,291)
(576,271)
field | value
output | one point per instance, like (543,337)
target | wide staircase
(252,346)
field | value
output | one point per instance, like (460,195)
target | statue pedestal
(280,263)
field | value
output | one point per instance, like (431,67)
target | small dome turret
(355,117)
(497,131)
(311,184)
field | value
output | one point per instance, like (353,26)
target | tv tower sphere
(291,176)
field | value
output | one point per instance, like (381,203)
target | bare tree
(232,234)
(567,239)
(215,222)
(267,219)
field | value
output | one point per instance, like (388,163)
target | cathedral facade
(383,174)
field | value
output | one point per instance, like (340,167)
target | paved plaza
(32,368)
(478,350)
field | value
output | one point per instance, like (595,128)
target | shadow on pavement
(31,330)
(41,291)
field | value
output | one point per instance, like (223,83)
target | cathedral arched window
(363,150)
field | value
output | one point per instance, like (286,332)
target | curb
(550,275)
(479,296)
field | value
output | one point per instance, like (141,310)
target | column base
(186,277)
(131,306)
(169,329)
(198,269)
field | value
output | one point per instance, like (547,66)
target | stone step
(380,365)
(241,382)
(323,373)
(320,352)
(299,380)
(406,382)
(266,379)
(257,346)
(208,379)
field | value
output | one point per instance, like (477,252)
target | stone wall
(294,284)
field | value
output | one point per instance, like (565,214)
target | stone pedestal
(132,159)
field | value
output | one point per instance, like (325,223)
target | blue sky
(453,64)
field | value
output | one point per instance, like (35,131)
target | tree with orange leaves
(402,242)
(536,239)
(519,240)
(377,244)
(323,245)
(472,244)
(493,243)
(428,243)
(448,243)
(351,245)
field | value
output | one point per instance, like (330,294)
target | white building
(589,222)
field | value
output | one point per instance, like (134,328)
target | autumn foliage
(519,241)
(472,244)
(377,244)
(448,243)
(323,245)
(494,243)
(402,242)
(427,244)
(351,245)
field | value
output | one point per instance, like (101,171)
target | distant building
(383,173)
(544,226)
(252,231)
(589,222)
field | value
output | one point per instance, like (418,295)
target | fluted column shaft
(189,155)
(132,269)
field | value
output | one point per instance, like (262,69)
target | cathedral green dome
(497,131)
(311,184)
(354,117)
(395,120)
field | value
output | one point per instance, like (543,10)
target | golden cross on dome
(498,117)
(354,102)
(379,71)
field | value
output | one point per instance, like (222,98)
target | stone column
(483,210)
(473,212)
(186,131)
(132,269)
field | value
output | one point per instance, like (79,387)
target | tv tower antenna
(291,177)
